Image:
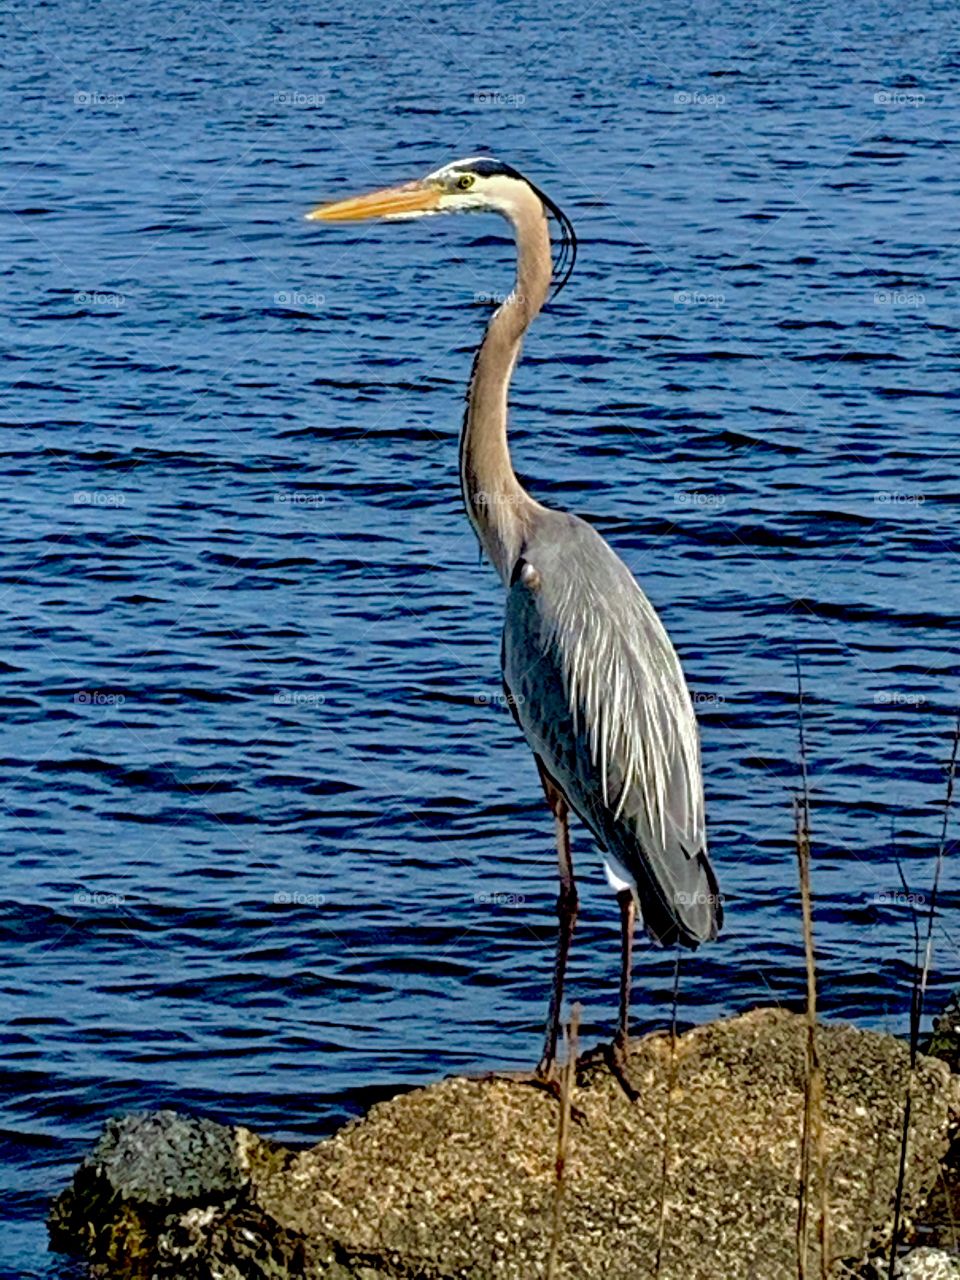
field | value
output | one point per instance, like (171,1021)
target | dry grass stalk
(813,1140)
(919,991)
(568,1080)
(667,1125)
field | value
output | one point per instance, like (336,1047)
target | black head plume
(566,254)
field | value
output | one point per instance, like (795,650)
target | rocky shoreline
(457,1181)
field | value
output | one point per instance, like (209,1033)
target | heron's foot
(618,1060)
(548,1084)
(534,1080)
(547,1069)
(546,1076)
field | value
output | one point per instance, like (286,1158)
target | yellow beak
(411,197)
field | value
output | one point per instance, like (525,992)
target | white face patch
(449,173)
(497,193)
(501,192)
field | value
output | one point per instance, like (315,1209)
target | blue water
(263,811)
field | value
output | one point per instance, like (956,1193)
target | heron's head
(479,184)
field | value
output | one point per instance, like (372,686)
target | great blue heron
(589,671)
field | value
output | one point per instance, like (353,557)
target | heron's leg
(567,903)
(628,912)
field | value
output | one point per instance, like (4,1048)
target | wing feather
(601,697)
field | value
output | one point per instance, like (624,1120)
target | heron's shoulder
(563,543)
(587,600)
(579,573)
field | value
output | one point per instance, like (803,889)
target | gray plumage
(598,691)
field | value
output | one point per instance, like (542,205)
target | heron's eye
(465,181)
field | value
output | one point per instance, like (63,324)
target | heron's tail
(677,894)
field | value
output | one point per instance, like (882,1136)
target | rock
(165,1158)
(928,1264)
(945,1041)
(165,1195)
(457,1181)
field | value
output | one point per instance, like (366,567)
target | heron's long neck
(497,505)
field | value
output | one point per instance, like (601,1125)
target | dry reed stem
(568,1079)
(667,1121)
(813,1139)
(918,994)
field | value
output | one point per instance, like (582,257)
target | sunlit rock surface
(457,1181)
